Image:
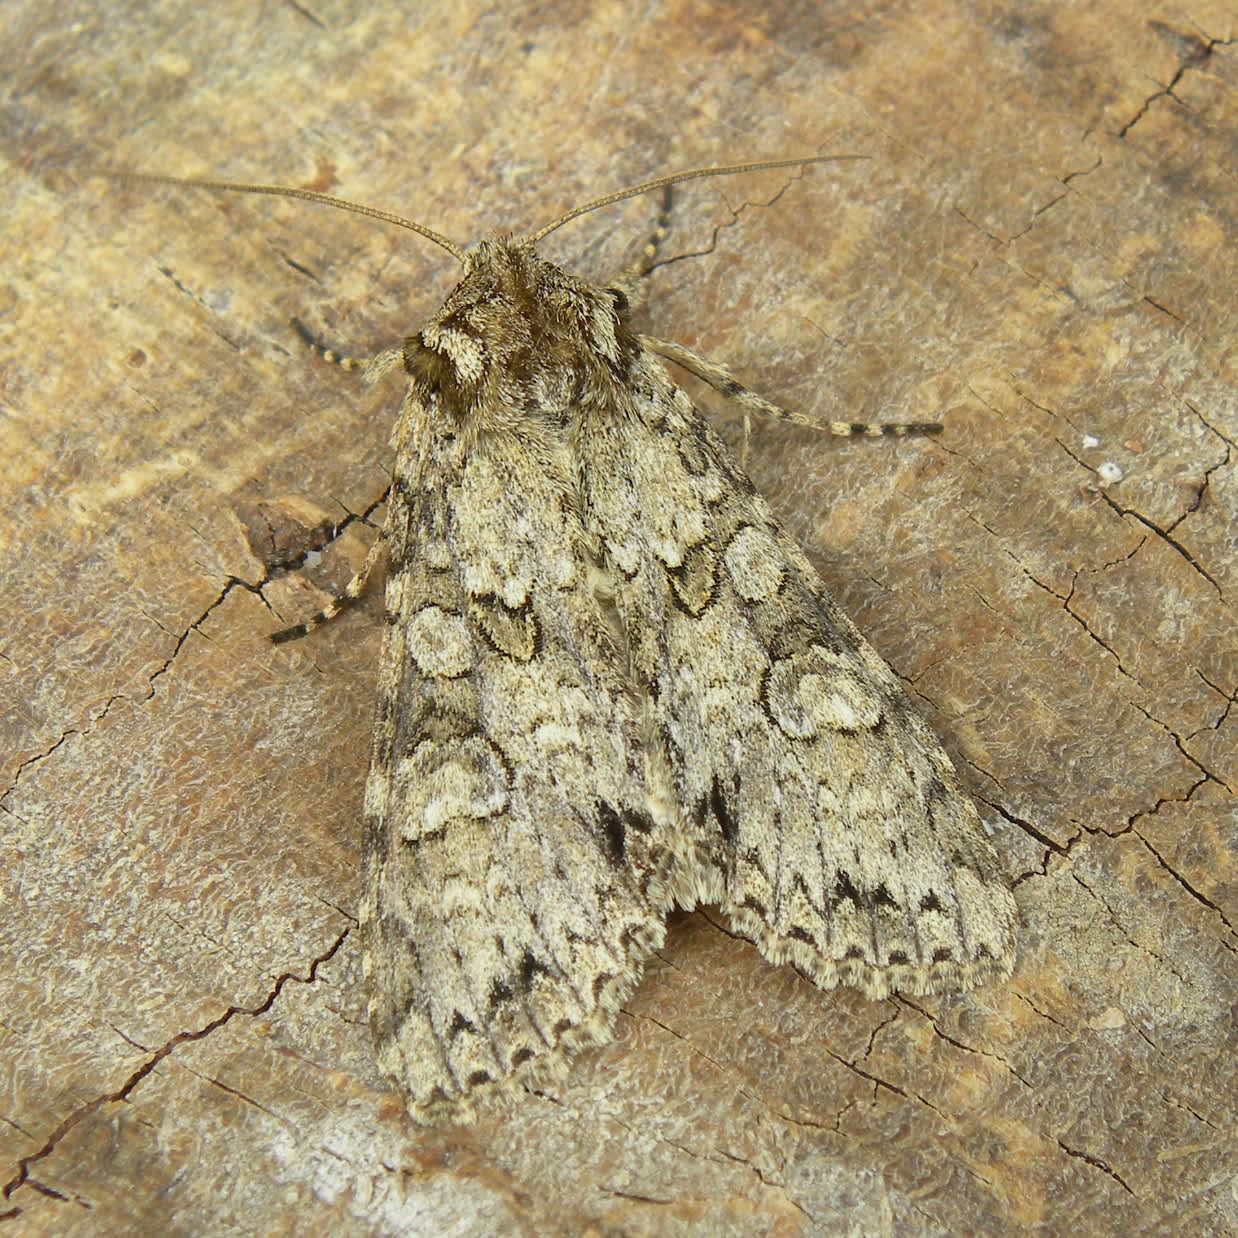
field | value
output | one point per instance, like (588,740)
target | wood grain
(1038,252)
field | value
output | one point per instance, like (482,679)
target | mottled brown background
(1039,251)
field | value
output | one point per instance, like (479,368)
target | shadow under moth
(611,684)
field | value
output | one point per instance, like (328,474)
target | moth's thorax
(520,337)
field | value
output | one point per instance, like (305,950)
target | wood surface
(1038,251)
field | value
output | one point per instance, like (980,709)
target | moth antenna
(676,178)
(306,195)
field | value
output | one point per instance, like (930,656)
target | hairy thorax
(520,340)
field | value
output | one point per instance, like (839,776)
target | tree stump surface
(1037,251)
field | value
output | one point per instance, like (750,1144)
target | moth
(611,683)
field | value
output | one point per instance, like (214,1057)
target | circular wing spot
(755,565)
(438,641)
(454,781)
(811,693)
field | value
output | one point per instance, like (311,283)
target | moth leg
(723,382)
(374,367)
(327,354)
(352,591)
(632,282)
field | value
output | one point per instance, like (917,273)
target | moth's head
(520,337)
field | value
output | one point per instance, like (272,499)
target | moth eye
(620,298)
(412,346)
(424,366)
